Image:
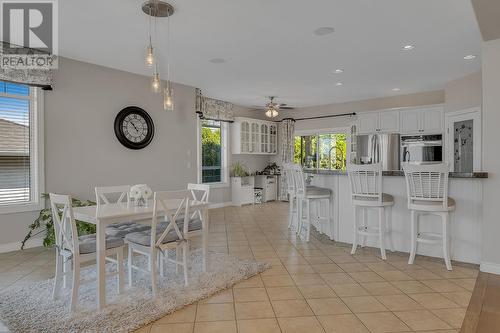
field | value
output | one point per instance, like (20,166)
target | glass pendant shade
(168,98)
(274,113)
(155,82)
(269,113)
(150,59)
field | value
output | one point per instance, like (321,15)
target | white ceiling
(270,48)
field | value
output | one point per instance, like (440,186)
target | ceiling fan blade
(287,108)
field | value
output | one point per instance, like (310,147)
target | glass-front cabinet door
(273,137)
(254,143)
(245,137)
(463,144)
(264,138)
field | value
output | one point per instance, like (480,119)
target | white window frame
(318,132)
(224,155)
(37,173)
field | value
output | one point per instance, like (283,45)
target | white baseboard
(221,204)
(8,247)
(489,267)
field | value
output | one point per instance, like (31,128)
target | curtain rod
(321,117)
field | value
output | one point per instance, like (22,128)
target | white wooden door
(432,121)
(389,121)
(368,122)
(410,122)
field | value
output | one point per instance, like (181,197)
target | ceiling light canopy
(338,71)
(408,47)
(338,84)
(323,31)
(470,57)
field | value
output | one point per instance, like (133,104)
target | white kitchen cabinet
(268,183)
(375,122)
(253,136)
(422,121)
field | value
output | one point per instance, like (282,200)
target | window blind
(15,161)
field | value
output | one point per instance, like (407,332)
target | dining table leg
(205,226)
(101,268)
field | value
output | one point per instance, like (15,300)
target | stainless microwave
(422,149)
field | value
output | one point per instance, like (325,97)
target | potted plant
(238,169)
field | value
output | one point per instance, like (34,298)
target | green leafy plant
(239,170)
(44,223)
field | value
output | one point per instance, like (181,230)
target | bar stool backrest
(299,181)
(365,181)
(427,184)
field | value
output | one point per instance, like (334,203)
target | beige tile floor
(311,287)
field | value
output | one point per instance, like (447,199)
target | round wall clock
(134,127)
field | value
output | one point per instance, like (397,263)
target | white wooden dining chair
(76,250)
(156,242)
(103,195)
(367,193)
(427,189)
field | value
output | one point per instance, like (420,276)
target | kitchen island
(465,221)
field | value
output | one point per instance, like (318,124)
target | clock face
(134,127)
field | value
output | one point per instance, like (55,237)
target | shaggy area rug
(30,308)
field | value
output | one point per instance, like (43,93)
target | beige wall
(464,93)
(491,155)
(425,98)
(81,150)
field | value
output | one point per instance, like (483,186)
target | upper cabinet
(422,121)
(378,122)
(253,136)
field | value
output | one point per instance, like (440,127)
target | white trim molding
(16,246)
(490,267)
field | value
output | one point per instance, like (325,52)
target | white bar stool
(427,188)
(307,195)
(366,192)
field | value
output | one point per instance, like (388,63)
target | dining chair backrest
(365,181)
(290,183)
(299,180)
(199,193)
(427,183)
(65,231)
(103,194)
(175,205)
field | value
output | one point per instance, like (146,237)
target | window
(323,151)
(20,184)
(213,151)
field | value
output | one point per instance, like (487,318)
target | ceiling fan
(272,108)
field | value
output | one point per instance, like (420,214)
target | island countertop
(400,173)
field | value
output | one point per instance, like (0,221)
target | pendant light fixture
(150,59)
(168,98)
(272,108)
(155,9)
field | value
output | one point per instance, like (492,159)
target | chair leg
(184,261)
(153,268)
(76,285)
(120,268)
(381,226)
(365,225)
(300,207)
(290,211)
(414,235)
(130,254)
(177,260)
(66,269)
(329,219)
(389,228)
(446,240)
(308,219)
(57,278)
(355,235)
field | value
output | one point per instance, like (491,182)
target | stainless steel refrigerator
(377,148)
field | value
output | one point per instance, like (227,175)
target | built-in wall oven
(422,149)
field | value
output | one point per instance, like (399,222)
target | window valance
(213,109)
(18,66)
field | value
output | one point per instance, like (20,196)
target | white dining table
(121,212)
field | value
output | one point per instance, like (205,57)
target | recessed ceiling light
(217,61)
(470,57)
(338,71)
(408,47)
(338,84)
(396,89)
(323,31)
